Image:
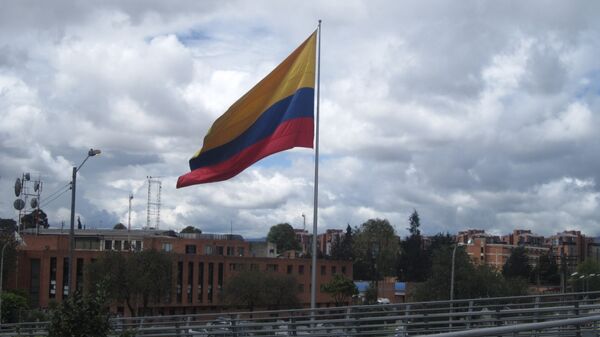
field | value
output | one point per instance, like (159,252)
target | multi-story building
(203,264)
(327,240)
(523,237)
(571,247)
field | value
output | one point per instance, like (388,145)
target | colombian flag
(276,115)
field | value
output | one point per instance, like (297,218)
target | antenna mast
(153,208)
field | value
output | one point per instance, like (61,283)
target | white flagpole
(313,288)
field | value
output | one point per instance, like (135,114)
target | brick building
(202,265)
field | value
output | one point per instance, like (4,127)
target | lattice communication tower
(153,208)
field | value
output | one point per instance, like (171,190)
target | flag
(277,114)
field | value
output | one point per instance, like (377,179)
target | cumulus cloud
(475,114)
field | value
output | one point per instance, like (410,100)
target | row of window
(208,250)
(272,267)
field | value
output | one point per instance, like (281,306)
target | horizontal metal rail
(405,319)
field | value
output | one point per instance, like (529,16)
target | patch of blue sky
(592,85)
(192,36)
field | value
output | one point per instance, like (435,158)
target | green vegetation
(252,288)
(137,278)
(341,289)
(81,316)
(284,237)
(375,250)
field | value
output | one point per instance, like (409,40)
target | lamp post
(469,242)
(91,153)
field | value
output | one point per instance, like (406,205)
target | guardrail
(406,319)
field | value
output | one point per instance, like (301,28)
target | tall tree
(252,288)
(342,249)
(81,316)
(130,277)
(546,270)
(284,237)
(191,230)
(340,288)
(413,263)
(375,250)
(517,264)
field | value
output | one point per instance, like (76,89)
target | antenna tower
(26,188)
(153,208)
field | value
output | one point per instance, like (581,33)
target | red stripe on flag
(298,132)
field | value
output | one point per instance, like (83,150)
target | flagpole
(313,288)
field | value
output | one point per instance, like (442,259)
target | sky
(477,114)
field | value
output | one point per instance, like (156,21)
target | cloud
(475,114)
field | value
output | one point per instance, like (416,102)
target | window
(240,251)
(272,267)
(107,244)
(333,270)
(208,250)
(138,246)
(220,250)
(167,247)
(52,290)
(323,270)
(254,267)
(34,290)
(66,277)
(290,268)
(127,245)
(301,269)
(190,249)
(117,244)
(230,251)
(87,243)
(344,270)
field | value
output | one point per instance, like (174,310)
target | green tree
(470,281)
(583,281)
(12,306)
(284,237)
(81,316)
(371,294)
(246,289)
(546,271)
(341,289)
(281,291)
(413,263)
(35,218)
(517,264)
(252,288)
(119,226)
(342,249)
(144,276)
(375,250)
(191,230)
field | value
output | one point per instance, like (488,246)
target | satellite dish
(18,187)
(36,186)
(27,176)
(33,203)
(19,204)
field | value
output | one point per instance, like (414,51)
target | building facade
(202,265)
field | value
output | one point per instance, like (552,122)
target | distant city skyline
(476,114)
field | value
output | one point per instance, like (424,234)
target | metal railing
(574,314)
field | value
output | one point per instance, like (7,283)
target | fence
(574,314)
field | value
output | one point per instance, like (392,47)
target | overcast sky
(478,114)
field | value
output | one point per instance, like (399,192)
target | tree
(281,291)
(119,226)
(342,249)
(413,263)
(583,281)
(340,288)
(131,277)
(191,230)
(34,219)
(517,264)
(12,306)
(375,250)
(252,288)
(284,237)
(470,281)
(8,225)
(546,271)
(81,316)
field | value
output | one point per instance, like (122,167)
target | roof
(134,233)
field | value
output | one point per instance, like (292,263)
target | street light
(469,242)
(19,241)
(91,153)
